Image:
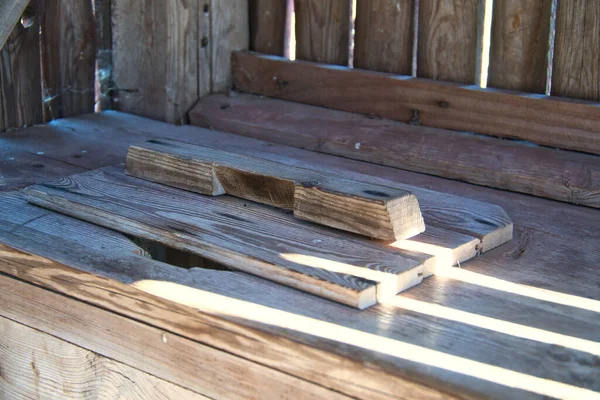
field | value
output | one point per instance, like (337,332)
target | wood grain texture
(37,365)
(197,367)
(267,25)
(519,45)
(20,81)
(229,32)
(467,338)
(560,175)
(242,235)
(544,120)
(323,31)
(104,65)
(10,15)
(448,40)
(155,56)
(69,47)
(384,35)
(371,210)
(577,50)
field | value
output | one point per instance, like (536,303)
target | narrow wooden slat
(155,56)
(243,235)
(323,31)
(104,65)
(229,32)
(519,45)
(20,82)
(267,25)
(577,50)
(544,120)
(560,175)
(69,46)
(384,35)
(10,15)
(448,40)
(37,365)
(372,210)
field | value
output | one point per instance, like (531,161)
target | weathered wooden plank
(104,65)
(69,47)
(10,15)
(384,35)
(519,45)
(323,31)
(372,210)
(37,365)
(544,120)
(448,40)
(197,367)
(229,32)
(577,50)
(20,81)
(267,25)
(560,175)
(243,235)
(155,56)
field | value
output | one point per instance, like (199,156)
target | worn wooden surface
(560,175)
(69,46)
(519,45)
(37,365)
(323,31)
(384,35)
(544,120)
(577,50)
(104,65)
(155,56)
(468,317)
(448,41)
(243,235)
(371,210)
(20,81)
(267,25)
(10,15)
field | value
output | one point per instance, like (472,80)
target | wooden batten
(371,210)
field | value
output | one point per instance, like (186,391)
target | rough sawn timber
(247,236)
(371,210)
(552,121)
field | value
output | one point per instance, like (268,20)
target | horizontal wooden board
(37,365)
(544,120)
(244,235)
(371,210)
(559,175)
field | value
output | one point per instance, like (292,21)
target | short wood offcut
(372,210)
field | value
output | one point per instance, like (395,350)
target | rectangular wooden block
(372,210)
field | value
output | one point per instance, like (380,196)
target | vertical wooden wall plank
(230,32)
(267,25)
(448,40)
(69,44)
(155,57)
(519,48)
(577,50)
(384,35)
(104,84)
(20,81)
(323,31)
(204,65)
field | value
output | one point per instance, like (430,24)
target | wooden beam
(267,25)
(243,235)
(371,210)
(37,365)
(559,175)
(544,120)
(10,15)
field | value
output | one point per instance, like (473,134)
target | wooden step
(372,210)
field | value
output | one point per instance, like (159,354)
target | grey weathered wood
(267,25)
(242,235)
(10,15)
(372,210)
(37,365)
